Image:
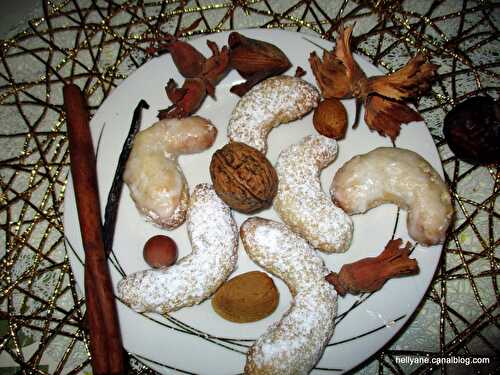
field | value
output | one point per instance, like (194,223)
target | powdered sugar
(214,239)
(301,202)
(296,342)
(272,102)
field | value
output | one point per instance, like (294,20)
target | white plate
(196,340)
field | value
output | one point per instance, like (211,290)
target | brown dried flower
(202,74)
(339,76)
(370,274)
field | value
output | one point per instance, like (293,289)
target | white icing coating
(276,100)
(301,202)
(214,238)
(402,177)
(155,180)
(295,343)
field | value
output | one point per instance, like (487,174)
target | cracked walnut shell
(243,177)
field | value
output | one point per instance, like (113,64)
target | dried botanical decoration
(186,99)
(202,74)
(370,274)
(339,76)
(255,60)
(299,72)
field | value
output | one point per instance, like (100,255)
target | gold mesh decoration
(99,43)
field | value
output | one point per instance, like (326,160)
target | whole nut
(243,177)
(330,118)
(160,251)
(246,298)
(472,130)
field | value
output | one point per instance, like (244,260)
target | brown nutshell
(243,177)
(330,118)
(246,298)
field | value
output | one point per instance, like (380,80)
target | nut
(243,177)
(160,251)
(330,118)
(246,298)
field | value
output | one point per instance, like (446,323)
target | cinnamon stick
(105,339)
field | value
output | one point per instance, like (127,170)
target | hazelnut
(330,118)
(243,177)
(160,251)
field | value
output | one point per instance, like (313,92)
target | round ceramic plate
(195,339)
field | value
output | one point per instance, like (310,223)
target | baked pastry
(301,202)
(214,239)
(155,181)
(399,176)
(295,343)
(272,102)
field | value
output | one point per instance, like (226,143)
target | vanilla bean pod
(111,210)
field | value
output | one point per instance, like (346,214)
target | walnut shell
(246,298)
(243,177)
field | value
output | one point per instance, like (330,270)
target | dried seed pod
(255,60)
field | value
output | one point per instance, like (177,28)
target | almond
(246,298)
(330,118)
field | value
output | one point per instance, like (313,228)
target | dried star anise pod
(339,76)
(255,60)
(185,100)
(202,74)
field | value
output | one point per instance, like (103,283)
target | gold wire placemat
(99,43)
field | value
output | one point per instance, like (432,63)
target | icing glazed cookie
(402,177)
(214,238)
(155,181)
(272,102)
(294,344)
(301,202)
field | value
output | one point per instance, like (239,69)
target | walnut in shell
(243,177)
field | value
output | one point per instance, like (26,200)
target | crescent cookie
(272,102)
(402,177)
(214,238)
(301,202)
(295,343)
(154,178)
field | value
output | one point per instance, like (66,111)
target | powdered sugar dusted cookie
(272,102)
(294,344)
(214,238)
(301,202)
